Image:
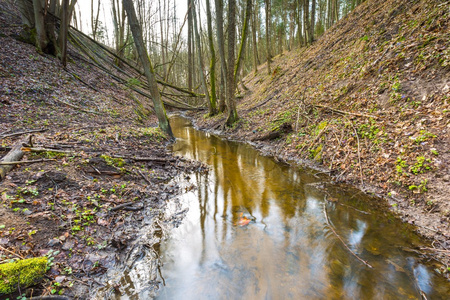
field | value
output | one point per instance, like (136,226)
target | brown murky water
(257,229)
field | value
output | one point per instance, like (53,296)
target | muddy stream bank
(258,229)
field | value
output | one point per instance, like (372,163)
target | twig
(345,112)
(38,150)
(120,206)
(359,155)
(25,162)
(10,252)
(95,169)
(77,107)
(22,132)
(434,249)
(145,178)
(157,159)
(342,241)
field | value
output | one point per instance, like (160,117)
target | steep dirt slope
(106,174)
(369,101)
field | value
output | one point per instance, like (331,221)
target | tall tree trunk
(313,21)
(269,55)
(231,104)
(41,35)
(64,28)
(245,26)
(190,43)
(163,52)
(221,44)
(211,105)
(136,30)
(255,42)
(212,65)
(306,22)
(94,21)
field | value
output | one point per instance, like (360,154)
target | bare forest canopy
(197,60)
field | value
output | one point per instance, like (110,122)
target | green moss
(115,162)
(316,154)
(28,271)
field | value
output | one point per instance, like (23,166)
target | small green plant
(134,82)
(116,162)
(364,38)
(369,131)
(400,164)
(27,191)
(421,165)
(421,188)
(423,136)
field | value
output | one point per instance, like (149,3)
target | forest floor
(367,103)
(103,174)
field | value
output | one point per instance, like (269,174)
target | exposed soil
(107,169)
(367,103)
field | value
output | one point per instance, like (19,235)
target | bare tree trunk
(94,22)
(313,21)
(269,55)
(41,35)
(221,44)
(64,28)
(212,66)
(211,104)
(161,28)
(306,22)
(190,54)
(231,104)
(148,69)
(255,42)
(245,26)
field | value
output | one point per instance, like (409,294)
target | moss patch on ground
(25,272)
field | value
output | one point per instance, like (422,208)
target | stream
(255,228)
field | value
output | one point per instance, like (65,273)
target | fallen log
(15,154)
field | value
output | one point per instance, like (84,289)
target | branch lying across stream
(342,241)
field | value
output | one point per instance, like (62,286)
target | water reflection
(286,250)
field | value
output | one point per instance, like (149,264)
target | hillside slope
(369,101)
(102,171)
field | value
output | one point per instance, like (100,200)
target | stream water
(258,229)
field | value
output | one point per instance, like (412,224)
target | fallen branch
(40,150)
(25,162)
(76,107)
(155,159)
(345,112)
(21,132)
(145,178)
(120,206)
(434,249)
(15,154)
(342,241)
(10,252)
